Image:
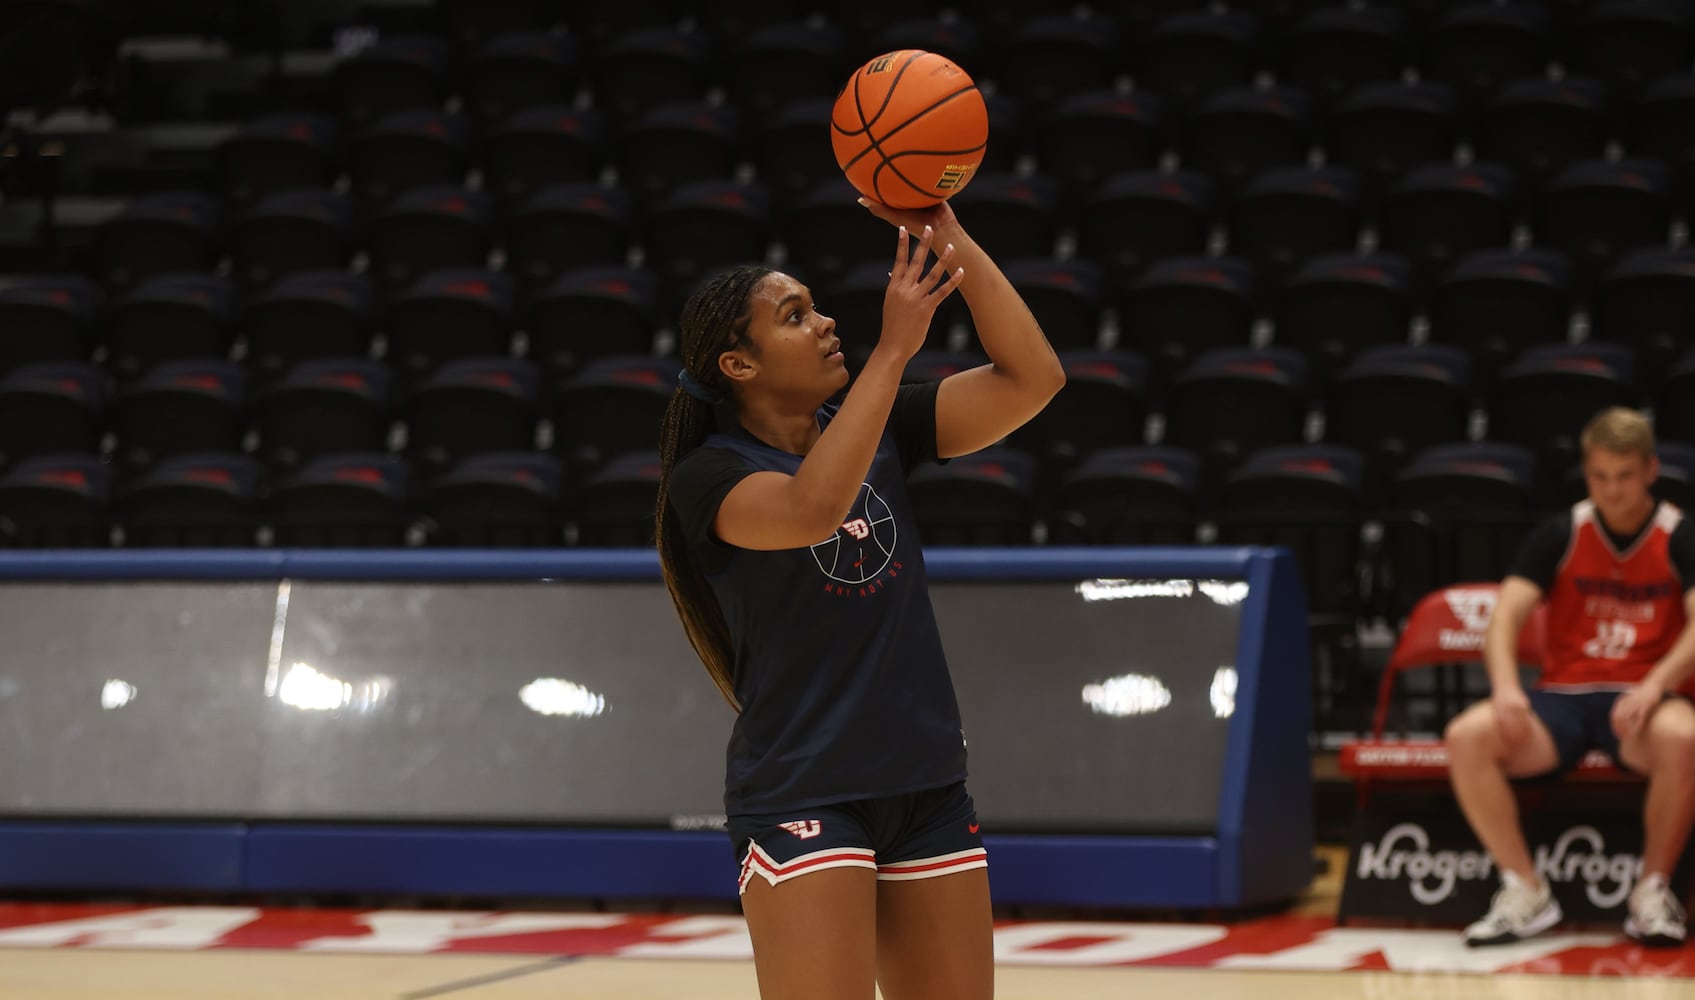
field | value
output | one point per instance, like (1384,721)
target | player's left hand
(1632,709)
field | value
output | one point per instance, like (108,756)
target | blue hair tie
(691,385)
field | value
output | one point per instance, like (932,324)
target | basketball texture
(909,129)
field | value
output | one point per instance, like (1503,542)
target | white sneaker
(1519,910)
(1656,917)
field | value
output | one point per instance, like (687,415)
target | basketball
(909,129)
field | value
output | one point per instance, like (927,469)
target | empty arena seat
(392,75)
(157,234)
(1477,48)
(1189,55)
(348,500)
(1239,133)
(1543,399)
(1627,44)
(1104,404)
(1676,481)
(424,230)
(1437,214)
(178,408)
(1012,217)
(534,148)
(774,63)
(172,317)
(1137,495)
(471,407)
(1088,137)
(827,235)
(792,153)
(1064,296)
(1308,497)
(1537,126)
(701,227)
(200,501)
(1393,402)
(674,144)
(1336,306)
(447,316)
(641,70)
(1051,57)
(404,151)
(320,408)
(305,317)
(478,23)
(1231,402)
(1458,512)
(47,318)
(499,500)
(985,498)
(1596,211)
(1181,307)
(1660,125)
(276,153)
(1287,215)
(56,501)
(567,227)
(1135,219)
(611,407)
(1674,402)
(617,504)
(513,71)
(1384,130)
(1332,52)
(290,232)
(589,314)
(1647,301)
(1496,304)
(49,409)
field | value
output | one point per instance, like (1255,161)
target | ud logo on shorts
(865,543)
(805,829)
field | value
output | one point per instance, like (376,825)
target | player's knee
(1672,735)
(1470,735)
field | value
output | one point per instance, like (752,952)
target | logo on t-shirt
(862,548)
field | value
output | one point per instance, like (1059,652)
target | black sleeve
(1682,545)
(699,483)
(1539,556)
(912,421)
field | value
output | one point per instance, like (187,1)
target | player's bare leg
(814,937)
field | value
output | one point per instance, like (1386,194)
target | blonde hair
(1619,429)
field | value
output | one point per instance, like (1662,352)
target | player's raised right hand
(914,292)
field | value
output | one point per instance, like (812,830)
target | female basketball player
(790,550)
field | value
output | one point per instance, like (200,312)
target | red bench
(1412,858)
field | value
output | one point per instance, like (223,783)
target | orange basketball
(909,129)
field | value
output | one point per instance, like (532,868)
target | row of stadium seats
(1389,405)
(1593,213)
(1186,56)
(1456,513)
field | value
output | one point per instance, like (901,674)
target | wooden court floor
(1284,959)
(87,975)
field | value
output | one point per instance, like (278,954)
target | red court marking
(1306,942)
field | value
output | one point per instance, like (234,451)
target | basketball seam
(888,95)
(876,143)
(890,164)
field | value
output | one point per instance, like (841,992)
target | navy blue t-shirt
(839,669)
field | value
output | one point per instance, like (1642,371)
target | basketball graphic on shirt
(864,544)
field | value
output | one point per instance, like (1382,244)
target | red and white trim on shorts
(759,863)
(941,864)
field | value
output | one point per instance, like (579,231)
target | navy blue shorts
(900,837)
(1580,721)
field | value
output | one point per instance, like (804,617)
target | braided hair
(714,320)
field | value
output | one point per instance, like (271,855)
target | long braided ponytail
(714,320)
